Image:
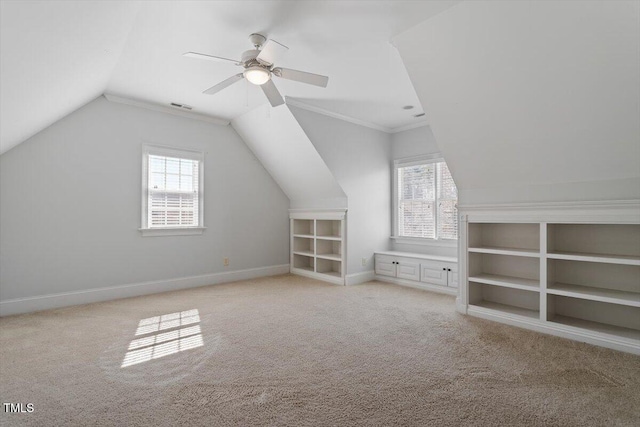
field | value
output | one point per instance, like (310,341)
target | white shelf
(303,253)
(595,294)
(332,257)
(318,245)
(506,251)
(609,259)
(496,308)
(576,256)
(331,273)
(335,238)
(507,281)
(303,268)
(597,327)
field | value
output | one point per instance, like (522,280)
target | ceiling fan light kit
(257,75)
(259,66)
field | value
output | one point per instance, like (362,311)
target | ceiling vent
(418,115)
(183,106)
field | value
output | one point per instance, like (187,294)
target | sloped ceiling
(58,55)
(531,92)
(55,57)
(278,140)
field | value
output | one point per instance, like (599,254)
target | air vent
(408,107)
(183,106)
(418,115)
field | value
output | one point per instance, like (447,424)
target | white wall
(412,143)
(71,205)
(358,157)
(532,101)
(275,137)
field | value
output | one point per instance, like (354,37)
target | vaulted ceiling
(58,55)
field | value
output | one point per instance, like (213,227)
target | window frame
(426,241)
(182,153)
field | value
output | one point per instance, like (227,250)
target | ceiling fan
(259,68)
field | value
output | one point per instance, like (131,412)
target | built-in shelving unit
(577,279)
(318,244)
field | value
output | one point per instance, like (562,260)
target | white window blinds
(173,189)
(426,201)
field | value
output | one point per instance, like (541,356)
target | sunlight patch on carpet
(177,338)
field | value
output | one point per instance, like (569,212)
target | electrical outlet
(364,261)
(225,261)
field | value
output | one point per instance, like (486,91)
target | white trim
(409,126)
(418,256)
(619,211)
(318,276)
(417,285)
(65,299)
(336,214)
(163,109)
(419,241)
(418,160)
(179,231)
(357,278)
(319,110)
(630,203)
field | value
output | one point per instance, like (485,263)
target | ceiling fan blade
(302,76)
(270,51)
(209,57)
(223,84)
(272,93)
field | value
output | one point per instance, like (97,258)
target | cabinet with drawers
(429,272)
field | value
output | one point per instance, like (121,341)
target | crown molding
(345,118)
(164,109)
(410,126)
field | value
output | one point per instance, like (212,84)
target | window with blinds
(173,188)
(426,201)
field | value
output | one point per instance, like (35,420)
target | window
(425,200)
(171,191)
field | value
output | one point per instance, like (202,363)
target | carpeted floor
(293,351)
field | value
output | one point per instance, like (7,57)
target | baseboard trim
(66,299)
(318,276)
(417,285)
(357,278)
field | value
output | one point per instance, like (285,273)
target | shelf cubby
(603,243)
(329,249)
(303,246)
(318,244)
(502,270)
(303,227)
(303,262)
(328,228)
(329,267)
(525,303)
(611,283)
(613,319)
(517,239)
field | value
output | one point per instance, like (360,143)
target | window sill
(182,231)
(425,242)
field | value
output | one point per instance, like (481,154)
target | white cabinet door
(434,273)
(452,276)
(385,266)
(407,269)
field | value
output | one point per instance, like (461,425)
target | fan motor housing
(249,56)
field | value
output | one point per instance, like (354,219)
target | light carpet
(293,351)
